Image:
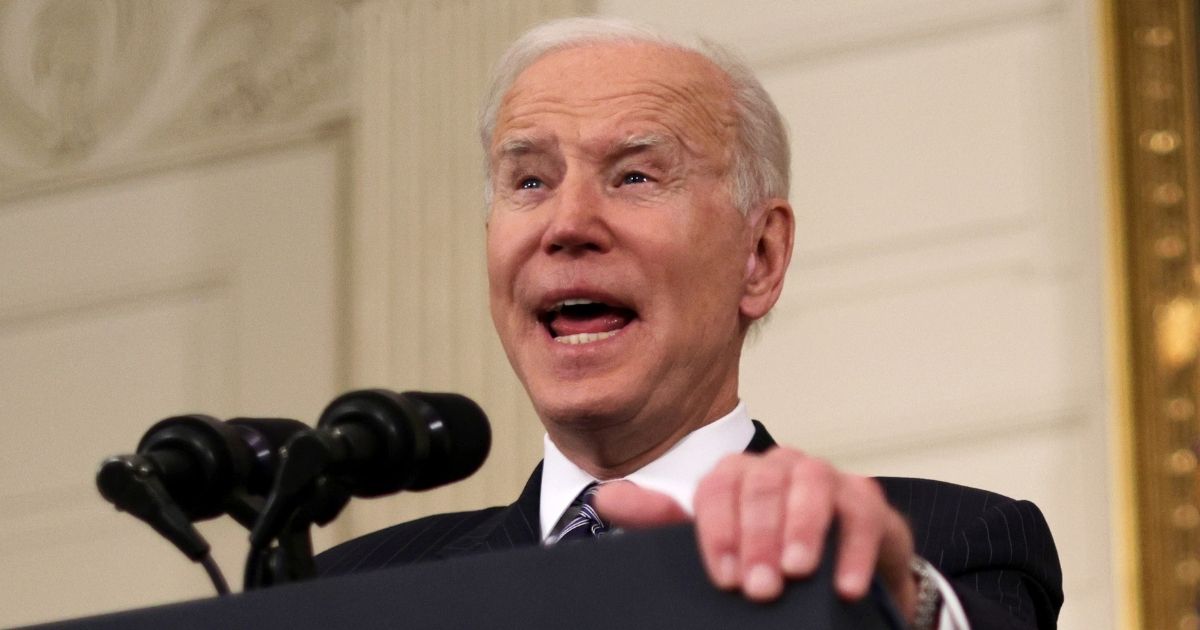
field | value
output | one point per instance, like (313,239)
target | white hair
(761,157)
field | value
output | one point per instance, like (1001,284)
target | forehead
(618,88)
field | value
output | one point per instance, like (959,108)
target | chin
(578,405)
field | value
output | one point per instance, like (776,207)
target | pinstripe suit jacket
(997,553)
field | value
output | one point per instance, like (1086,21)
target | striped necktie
(580,521)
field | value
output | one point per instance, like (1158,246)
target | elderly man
(638,228)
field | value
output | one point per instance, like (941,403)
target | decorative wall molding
(419,284)
(818,29)
(1158,134)
(112,86)
(121,296)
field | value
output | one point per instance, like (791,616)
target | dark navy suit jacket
(996,552)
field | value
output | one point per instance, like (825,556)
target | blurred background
(246,207)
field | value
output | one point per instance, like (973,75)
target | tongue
(566,323)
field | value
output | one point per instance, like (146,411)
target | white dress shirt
(677,473)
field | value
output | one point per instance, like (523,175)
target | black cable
(214,574)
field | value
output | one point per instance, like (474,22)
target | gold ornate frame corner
(1156,107)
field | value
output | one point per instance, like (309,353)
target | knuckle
(865,487)
(815,471)
(763,482)
(785,453)
(727,470)
(713,534)
(717,482)
(862,500)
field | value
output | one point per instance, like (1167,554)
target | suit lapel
(520,524)
(761,440)
(516,525)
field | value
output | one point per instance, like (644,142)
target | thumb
(625,505)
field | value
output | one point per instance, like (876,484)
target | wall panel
(204,289)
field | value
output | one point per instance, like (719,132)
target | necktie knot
(580,521)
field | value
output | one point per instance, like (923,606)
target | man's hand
(763,518)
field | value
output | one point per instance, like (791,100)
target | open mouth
(579,321)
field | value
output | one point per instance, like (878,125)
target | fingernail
(762,582)
(852,584)
(727,569)
(796,559)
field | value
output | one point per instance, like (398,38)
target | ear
(772,227)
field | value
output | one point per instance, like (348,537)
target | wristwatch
(929,597)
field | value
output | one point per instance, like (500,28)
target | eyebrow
(643,140)
(522,145)
(636,144)
(518,146)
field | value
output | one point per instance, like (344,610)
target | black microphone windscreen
(198,459)
(272,432)
(265,436)
(409,441)
(460,438)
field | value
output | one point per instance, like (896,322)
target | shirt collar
(675,473)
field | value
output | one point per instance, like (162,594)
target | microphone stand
(288,559)
(280,540)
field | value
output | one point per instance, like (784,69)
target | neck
(617,450)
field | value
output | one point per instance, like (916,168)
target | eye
(634,177)
(530,183)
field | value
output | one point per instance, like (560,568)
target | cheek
(510,243)
(495,264)
(501,301)
(502,247)
(713,279)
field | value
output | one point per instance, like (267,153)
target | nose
(578,221)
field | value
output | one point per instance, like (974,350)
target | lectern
(629,581)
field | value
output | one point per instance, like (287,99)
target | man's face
(616,260)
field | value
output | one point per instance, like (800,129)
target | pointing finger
(623,504)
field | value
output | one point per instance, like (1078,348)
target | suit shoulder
(912,493)
(940,512)
(997,552)
(406,543)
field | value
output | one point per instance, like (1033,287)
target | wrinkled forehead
(594,88)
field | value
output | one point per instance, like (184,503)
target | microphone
(194,467)
(370,443)
(265,437)
(201,462)
(409,441)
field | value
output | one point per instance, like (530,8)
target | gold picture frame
(1156,88)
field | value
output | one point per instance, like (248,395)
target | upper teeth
(571,302)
